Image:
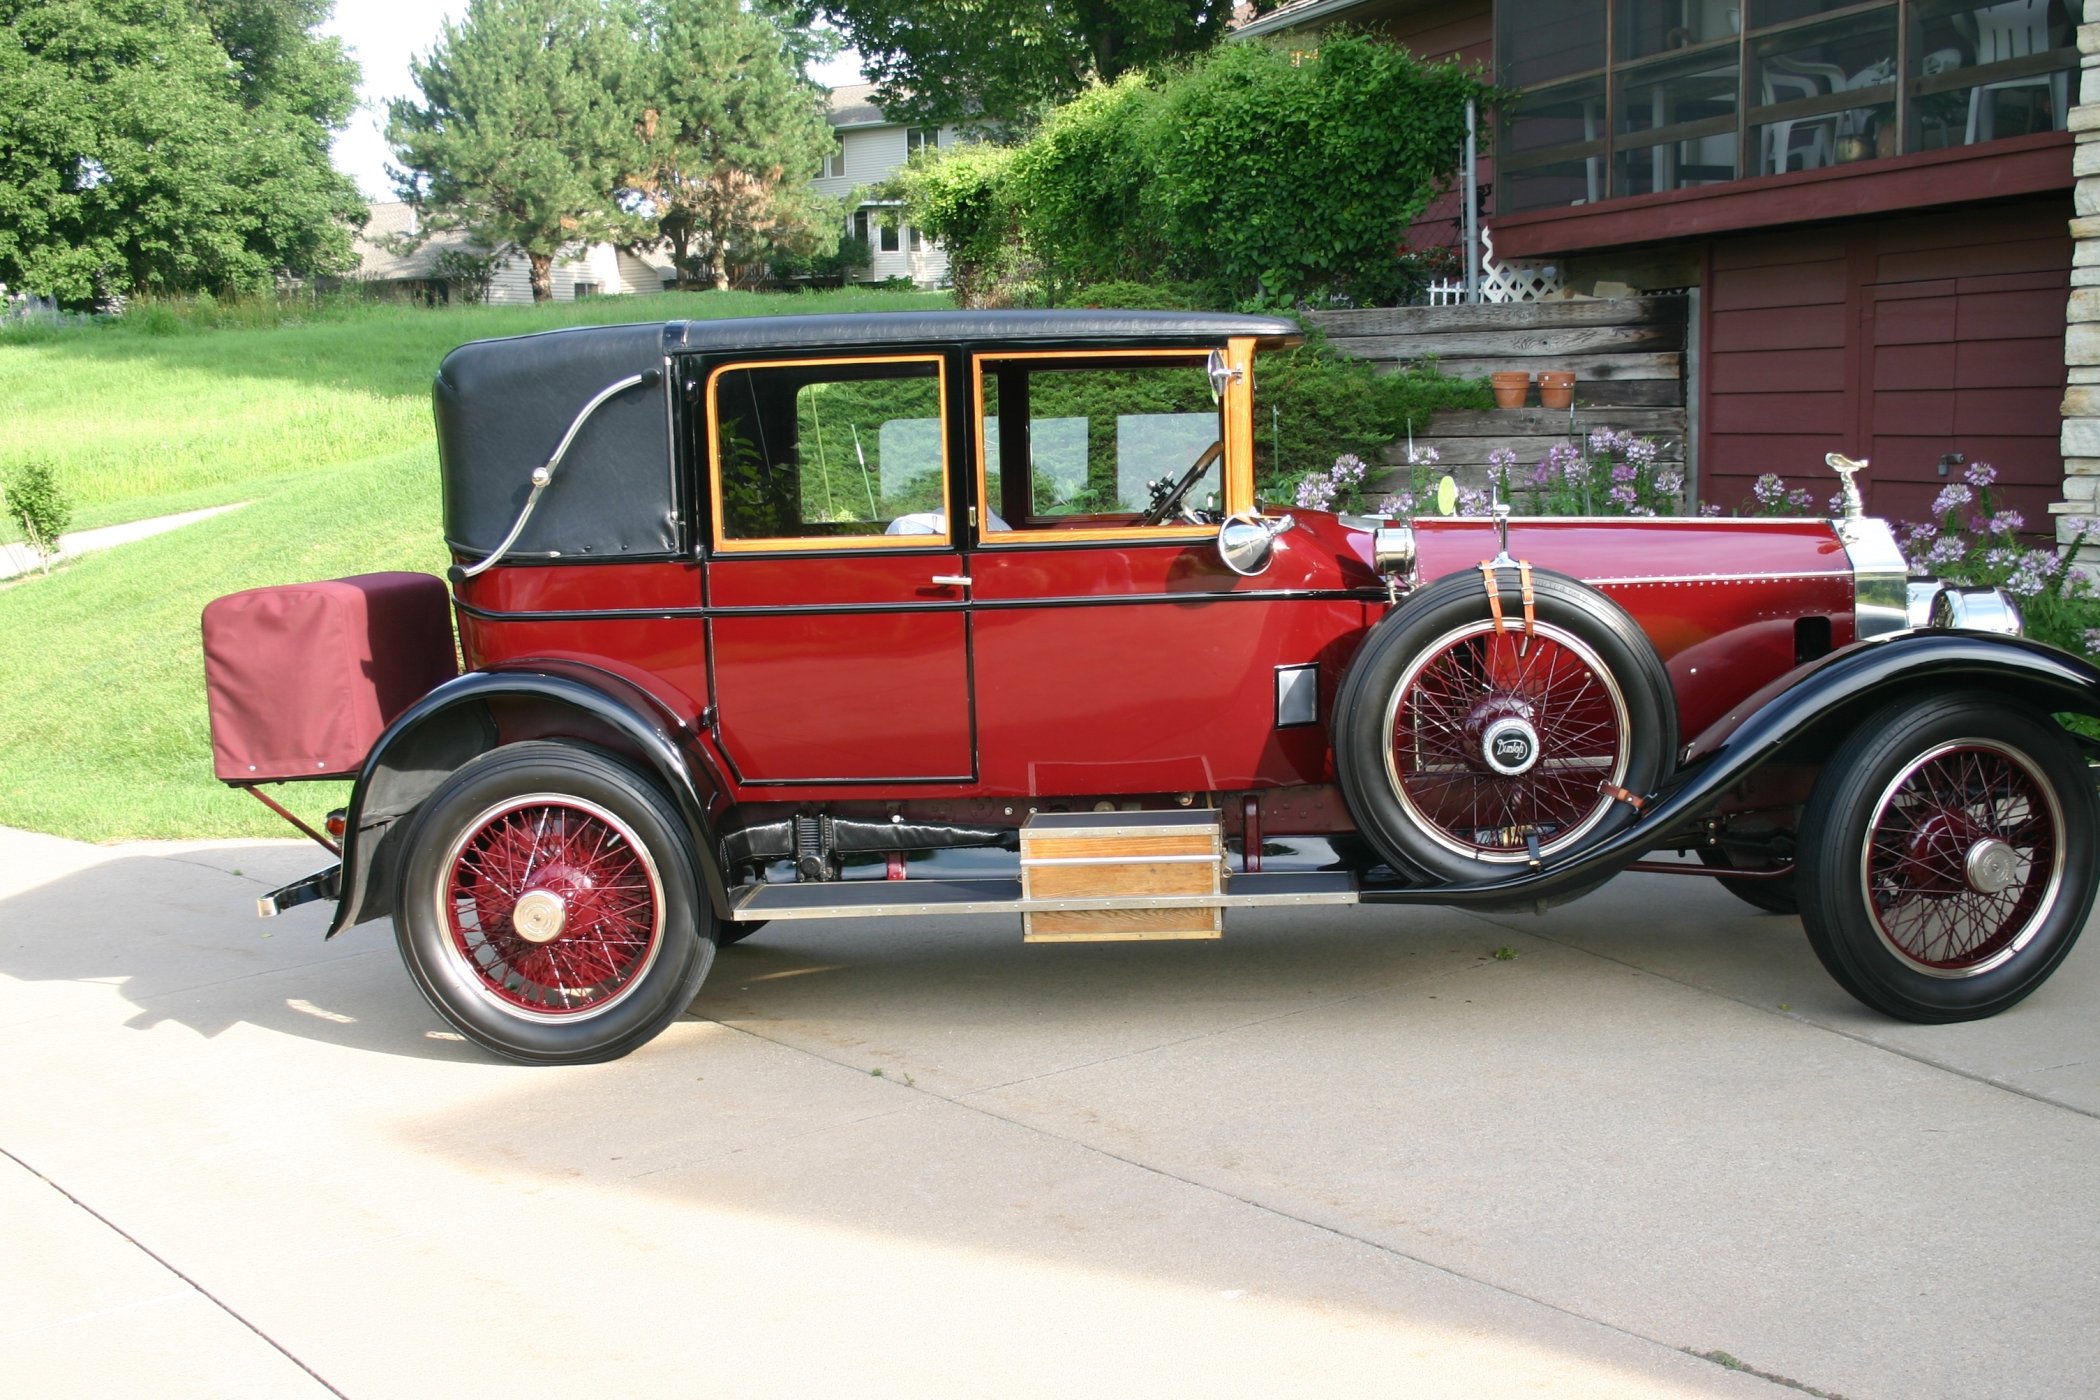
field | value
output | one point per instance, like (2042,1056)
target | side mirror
(1221,374)
(1246,543)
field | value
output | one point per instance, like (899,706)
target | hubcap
(539,916)
(1510,746)
(1991,865)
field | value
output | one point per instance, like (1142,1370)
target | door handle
(952,580)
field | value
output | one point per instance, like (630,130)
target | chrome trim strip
(1880,577)
(1208,858)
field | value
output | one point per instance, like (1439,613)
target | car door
(835,611)
(1112,655)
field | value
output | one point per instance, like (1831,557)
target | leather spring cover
(302,679)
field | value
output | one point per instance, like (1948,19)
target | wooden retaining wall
(1628,356)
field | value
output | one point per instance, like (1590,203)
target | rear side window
(829,453)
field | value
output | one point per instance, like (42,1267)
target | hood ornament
(1850,506)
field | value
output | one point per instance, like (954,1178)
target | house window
(860,224)
(889,236)
(1632,97)
(918,136)
(835,164)
(584,289)
(912,239)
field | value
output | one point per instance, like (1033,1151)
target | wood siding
(1899,340)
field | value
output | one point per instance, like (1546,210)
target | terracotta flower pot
(1556,388)
(1511,388)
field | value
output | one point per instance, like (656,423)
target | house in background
(1868,202)
(871,148)
(598,269)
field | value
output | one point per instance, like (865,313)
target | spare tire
(1459,741)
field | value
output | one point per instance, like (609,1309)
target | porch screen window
(1633,97)
(816,452)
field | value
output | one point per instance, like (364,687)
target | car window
(1092,442)
(812,453)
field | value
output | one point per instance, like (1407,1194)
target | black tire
(1435,686)
(1947,857)
(1772,896)
(616,938)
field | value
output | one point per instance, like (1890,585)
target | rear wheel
(1947,857)
(549,907)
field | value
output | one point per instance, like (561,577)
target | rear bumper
(322,884)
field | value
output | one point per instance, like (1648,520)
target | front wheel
(1946,858)
(549,907)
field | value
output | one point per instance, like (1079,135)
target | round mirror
(1246,546)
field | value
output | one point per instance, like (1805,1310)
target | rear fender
(467,717)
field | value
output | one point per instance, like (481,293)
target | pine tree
(734,134)
(529,128)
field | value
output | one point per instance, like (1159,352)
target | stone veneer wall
(2081,433)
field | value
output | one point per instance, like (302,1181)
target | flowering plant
(1609,473)
(1340,488)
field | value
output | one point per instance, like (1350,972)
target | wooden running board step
(1136,860)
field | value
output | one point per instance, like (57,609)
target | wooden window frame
(804,544)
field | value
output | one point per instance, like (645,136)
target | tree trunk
(542,276)
(718,264)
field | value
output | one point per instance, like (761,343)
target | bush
(38,505)
(1969,540)
(1270,177)
(1312,403)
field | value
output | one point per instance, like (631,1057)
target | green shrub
(38,504)
(1144,296)
(1312,403)
(1270,177)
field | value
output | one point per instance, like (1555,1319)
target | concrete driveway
(1341,1153)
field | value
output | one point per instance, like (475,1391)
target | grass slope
(324,428)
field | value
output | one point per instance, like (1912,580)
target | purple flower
(1542,474)
(2077,525)
(1669,481)
(1315,492)
(1710,508)
(1472,501)
(1800,498)
(1951,498)
(1624,472)
(2092,640)
(1397,505)
(2004,522)
(1923,532)
(1502,458)
(1980,474)
(1945,551)
(1768,489)
(1603,440)
(1622,497)
(1836,504)
(1423,457)
(1348,469)
(1640,451)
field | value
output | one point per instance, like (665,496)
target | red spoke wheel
(1465,743)
(1947,857)
(549,907)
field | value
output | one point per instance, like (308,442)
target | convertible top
(502,406)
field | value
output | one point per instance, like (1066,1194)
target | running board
(832,899)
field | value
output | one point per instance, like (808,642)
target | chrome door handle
(952,580)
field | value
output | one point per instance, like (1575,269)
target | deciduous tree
(528,128)
(998,61)
(733,135)
(147,145)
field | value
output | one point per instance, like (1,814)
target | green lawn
(323,428)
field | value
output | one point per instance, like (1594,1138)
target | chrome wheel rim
(1964,858)
(552,908)
(1476,685)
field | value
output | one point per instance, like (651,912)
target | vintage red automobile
(968,613)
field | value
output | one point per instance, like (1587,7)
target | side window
(819,454)
(1095,441)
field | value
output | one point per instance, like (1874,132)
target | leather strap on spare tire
(1500,717)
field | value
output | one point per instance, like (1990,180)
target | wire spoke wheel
(1468,739)
(549,904)
(1499,740)
(1964,860)
(1946,858)
(553,906)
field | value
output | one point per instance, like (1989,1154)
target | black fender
(1833,691)
(457,722)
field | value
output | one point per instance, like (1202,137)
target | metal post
(1470,222)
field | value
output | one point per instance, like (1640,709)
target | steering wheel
(1171,502)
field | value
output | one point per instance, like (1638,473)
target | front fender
(458,721)
(1835,690)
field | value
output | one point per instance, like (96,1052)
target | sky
(383,35)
